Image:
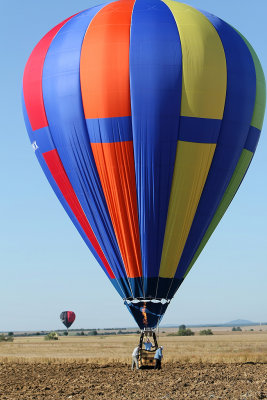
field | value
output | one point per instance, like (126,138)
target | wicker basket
(146,359)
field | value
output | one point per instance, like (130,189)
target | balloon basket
(146,357)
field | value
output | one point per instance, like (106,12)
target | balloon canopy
(67,318)
(144,116)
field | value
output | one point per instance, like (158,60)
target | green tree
(4,338)
(206,332)
(93,332)
(51,336)
(183,331)
(236,329)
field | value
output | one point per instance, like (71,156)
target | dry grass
(229,348)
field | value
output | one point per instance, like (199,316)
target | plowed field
(79,380)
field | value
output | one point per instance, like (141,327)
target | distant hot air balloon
(67,318)
(144,115)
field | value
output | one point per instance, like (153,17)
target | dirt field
(219,367)
(83,381)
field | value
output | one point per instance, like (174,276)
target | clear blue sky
(45,265)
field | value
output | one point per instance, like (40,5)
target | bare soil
(80,380)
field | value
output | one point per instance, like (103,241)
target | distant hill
(240,322)
(236,322)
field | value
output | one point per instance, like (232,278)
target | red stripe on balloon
(32,79)
(71,316)
(58,172)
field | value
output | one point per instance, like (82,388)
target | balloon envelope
(67,318)
(144,116)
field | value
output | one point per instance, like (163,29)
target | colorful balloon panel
(67,318)
(144,116)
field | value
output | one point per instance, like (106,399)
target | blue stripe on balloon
(155,82)
(239,105)
(137,286)
(59,195)
(110,130)
(252,139)
(42,139)
(64,110)
(199,130)
(164,286)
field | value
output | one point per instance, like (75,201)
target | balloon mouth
(147,312)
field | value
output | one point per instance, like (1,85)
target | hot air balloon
(67,318)
(144,116)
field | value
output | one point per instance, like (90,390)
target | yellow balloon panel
(192,165)
(204,64)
